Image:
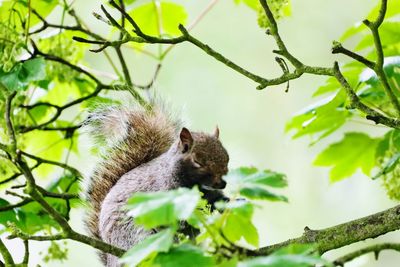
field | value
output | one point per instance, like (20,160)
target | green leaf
(322,118)
(23,73)
(268,178)
(12,8)
(160,242)
(261,194)
(352,31)
(252,183)
(388,32)
(253,4)
(33,70)
(183,255)
(48,145)
(163,208)
(354,151)
(148,17)
(238,223)
(8,216)
(232,262)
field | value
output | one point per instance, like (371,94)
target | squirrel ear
(216,132)
(186,140)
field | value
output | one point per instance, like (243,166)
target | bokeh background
(252,122)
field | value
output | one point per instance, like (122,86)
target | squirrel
(149,151)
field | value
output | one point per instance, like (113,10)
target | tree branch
(374,27)
(77,27)
(73,170)
(337,48)
(376,249)
(23,236)
(356,102)
(16,205)
(65,196)
(25,260)
(344,234)
(8,119)
(69,233)
(8,259)
(186,37)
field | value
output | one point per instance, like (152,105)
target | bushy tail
(134,136)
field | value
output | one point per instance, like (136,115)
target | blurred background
(252,122)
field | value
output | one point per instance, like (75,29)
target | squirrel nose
(220,185)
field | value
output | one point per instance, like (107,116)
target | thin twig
(16,205)
(338,48)
(65,196)
(25,260)
(73,170)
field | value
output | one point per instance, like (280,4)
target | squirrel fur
(148,151)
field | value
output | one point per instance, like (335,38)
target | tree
(41,78)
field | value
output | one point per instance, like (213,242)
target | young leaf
(160,242)
(354,151)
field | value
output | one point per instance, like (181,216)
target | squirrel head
(202,159)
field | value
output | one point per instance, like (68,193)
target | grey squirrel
(149,151)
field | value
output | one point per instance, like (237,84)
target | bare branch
(337,48)
(376,249)
(73,170)
(344,234)
(65,196)
(26,237)
(78,27)
(16,205)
